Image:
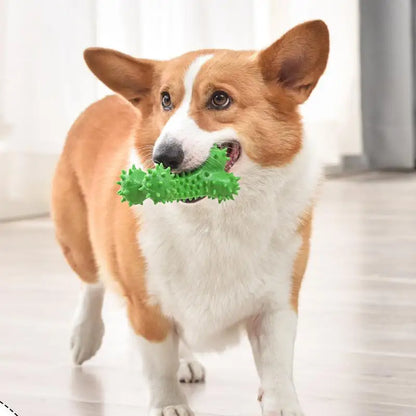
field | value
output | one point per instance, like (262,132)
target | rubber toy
(161,185)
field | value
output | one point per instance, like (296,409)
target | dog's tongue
(233,155)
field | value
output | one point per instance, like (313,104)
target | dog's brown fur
(92,226)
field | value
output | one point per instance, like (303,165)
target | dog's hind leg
(190,369)
(88,325)
(70,215)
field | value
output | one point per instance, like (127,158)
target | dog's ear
(297,60)
(128,76)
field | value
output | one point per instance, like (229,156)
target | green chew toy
(161,185)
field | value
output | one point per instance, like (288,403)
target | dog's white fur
(87,324)
(218,270)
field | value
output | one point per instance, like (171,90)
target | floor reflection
(87,392)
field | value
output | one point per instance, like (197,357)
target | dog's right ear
(296,61)
(128,76)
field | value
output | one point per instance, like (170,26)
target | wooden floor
(356,348)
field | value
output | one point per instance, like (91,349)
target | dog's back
(78,186)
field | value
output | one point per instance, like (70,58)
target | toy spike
(160,185)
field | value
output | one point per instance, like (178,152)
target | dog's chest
(211,269)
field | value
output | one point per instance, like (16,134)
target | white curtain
(160,29)
(44,83)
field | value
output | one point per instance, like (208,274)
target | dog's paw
(86,339)
(177,410)
(191,371)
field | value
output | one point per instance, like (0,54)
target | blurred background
(367,89)
(356,349)
(45,83)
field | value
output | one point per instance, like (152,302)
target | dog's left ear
(297,60)
(130,77)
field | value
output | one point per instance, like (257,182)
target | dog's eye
(166,101)
(220,100)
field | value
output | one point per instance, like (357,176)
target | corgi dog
(195,276)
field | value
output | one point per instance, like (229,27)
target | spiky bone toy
(161,185)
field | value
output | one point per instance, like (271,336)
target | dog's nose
(170,155)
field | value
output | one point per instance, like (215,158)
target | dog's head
(245,101)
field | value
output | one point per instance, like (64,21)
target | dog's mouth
(233,153)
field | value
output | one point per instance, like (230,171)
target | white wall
(45,83)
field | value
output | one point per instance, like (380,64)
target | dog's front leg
(272,336)
(160,365)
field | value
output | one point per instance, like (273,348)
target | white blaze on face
(182,128)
